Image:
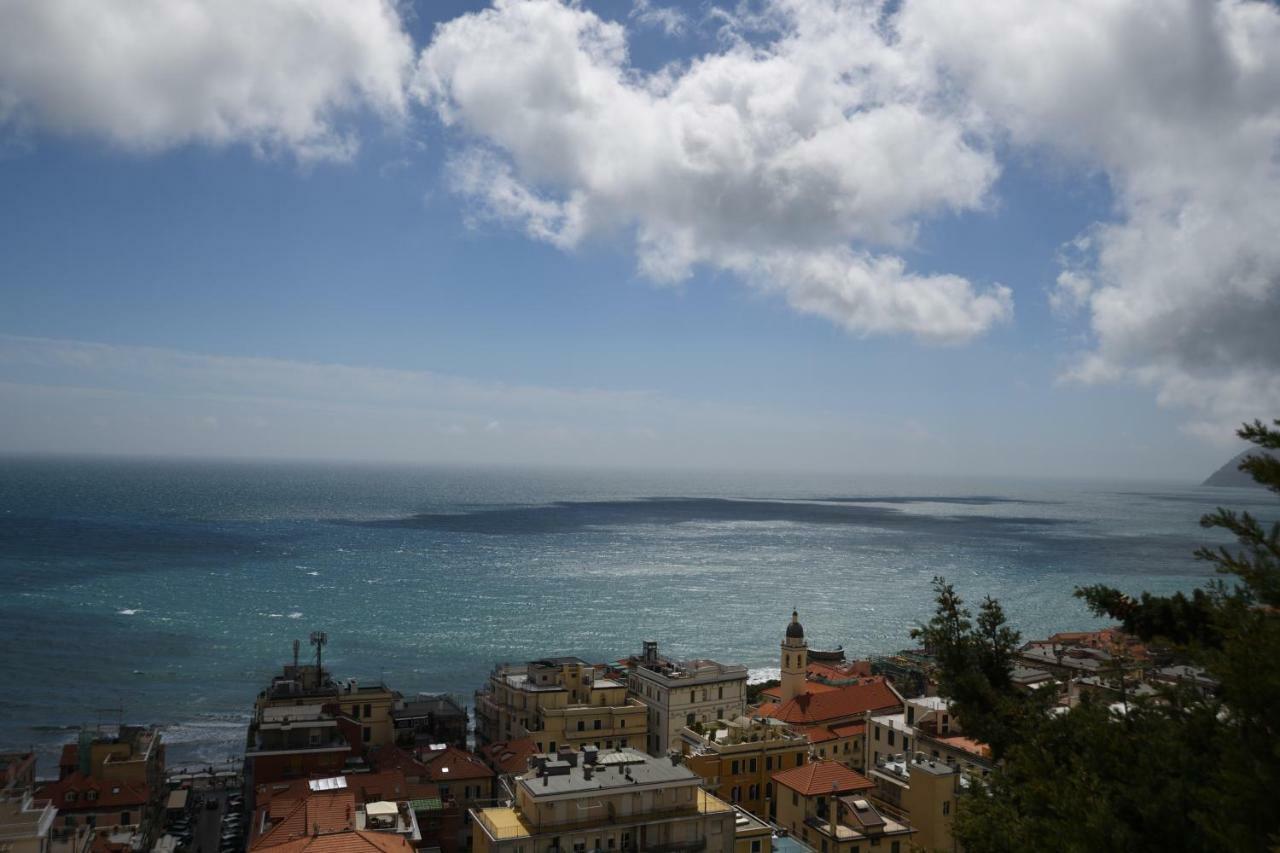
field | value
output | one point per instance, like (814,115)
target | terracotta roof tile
(350,841)
(510,756)
(453,763)
(108,794)
(834,706)
(323,811)
(823,777)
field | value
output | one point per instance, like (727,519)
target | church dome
(795,631)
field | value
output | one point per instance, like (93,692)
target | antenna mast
(318,639)
(295,656)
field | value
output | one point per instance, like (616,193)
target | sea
(169,592)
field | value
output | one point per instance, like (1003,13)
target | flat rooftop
(621,768)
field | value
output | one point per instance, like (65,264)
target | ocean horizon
(169,591)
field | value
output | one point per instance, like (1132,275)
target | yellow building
(620,800)
(737,758)
(923,791)
(826,805)
(558,702)
(25,822)
(750,833)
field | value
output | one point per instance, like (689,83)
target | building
(509,757)
(737,758)
(26,823)
(462,777)
(430,719)
(557,702)
(307,724)
(927,727)
(111,783)
(826,805)
(925,792)
(680,693)
(808,704)
(750,833)
(325,816)
(17,772)
(619,800)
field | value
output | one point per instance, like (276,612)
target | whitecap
(295,615)
(129,611)
(314,574)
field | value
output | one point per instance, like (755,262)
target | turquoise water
(173,589)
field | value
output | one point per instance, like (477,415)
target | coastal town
(646,754)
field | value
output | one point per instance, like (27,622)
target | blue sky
(172,292)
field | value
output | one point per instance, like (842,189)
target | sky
(1010,237)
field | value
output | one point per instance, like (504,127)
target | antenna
(295,655)
(318,639)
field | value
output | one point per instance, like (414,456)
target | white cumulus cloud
(1178,103)
(802,165)
(151,74)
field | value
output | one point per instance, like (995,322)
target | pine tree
(1178,771)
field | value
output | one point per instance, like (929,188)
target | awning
(177,799)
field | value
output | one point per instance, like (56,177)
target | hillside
(1231,475)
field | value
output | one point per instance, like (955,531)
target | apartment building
(737,758)
(681,693)
(826,805)
(621,800)
(557,702)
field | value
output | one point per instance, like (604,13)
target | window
(891,737)
(595,725)
(70,796)
(799,759)
(355,712)
(753,792)
(91,795)
(911,715)
(877,734)
(367,711)
(946,807)
(582,725)
(367,734)
(622,743)
(552,747)
(751,765)
(689,719)
(895,847)
(795,798)
(755,846)
(622,724)
(734,768)
(906,744)
(824,845)
(720,695)
(768,790)
(124,818)
(736,793)
(693,696)
(768,762)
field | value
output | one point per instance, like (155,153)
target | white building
(682,693)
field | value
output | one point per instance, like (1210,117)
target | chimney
(586,772)
(835,804)
(675,758)
(589,755)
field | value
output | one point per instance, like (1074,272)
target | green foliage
(1180,772)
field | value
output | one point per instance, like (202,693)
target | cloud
(802,165)
(1178,103)
(152,74)
(669,19)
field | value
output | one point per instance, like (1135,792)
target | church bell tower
(795,660)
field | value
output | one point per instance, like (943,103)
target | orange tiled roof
(809,686)
(823,777)
(321,811)
(108,794)
(833,706)
(818,734)
(454,763)
(850,729)
(967,744)
(349,841)
(510,756)
(395,758)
